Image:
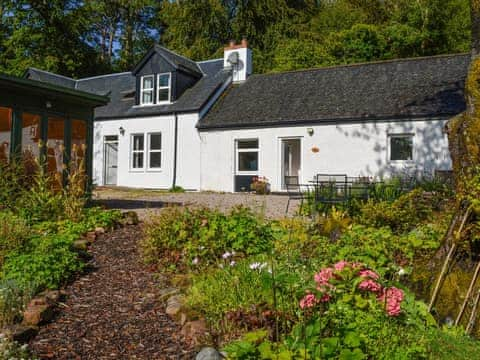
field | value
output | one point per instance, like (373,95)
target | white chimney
(238,57)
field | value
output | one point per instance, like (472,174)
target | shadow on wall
(430,147)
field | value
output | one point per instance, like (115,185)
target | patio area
(148,202)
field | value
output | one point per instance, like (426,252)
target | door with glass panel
(111,159)
(291,162)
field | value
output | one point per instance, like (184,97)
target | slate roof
(59,91)
(120,88)
(397,89)
(210,67)
(178,61)
(48,77)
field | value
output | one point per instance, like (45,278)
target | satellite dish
(233,58)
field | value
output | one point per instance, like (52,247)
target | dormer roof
(179,62)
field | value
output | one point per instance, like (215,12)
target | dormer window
(147,89)
(164,86)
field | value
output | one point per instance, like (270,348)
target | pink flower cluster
(308,301)
(392,297)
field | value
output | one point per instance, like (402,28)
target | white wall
(188,164)
(354,149)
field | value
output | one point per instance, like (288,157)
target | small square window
(247,156)
(401,147)
(155,160)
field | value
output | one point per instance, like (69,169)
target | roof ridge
(51,73)
(105,75)
(210,60)
(377,62)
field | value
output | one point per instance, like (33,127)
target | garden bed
(261,287)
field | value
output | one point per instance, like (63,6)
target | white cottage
(212,125)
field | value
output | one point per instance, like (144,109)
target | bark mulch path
(113,312)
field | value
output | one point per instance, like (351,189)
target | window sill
(247,173)
(402,162)
(151,105)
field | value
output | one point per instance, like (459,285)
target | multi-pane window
(147,90)
(401,147)
(155,151)
(138,151)
(247,156)
(163,95)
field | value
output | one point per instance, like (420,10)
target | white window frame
(150,151)
(142,90)
(169,87)
(132,152)
(389,147)
(238,151)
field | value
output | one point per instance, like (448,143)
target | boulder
(195,331)
(38,311)
(20,333)
(91,236)
(174,306)
(81,244)
(130,218)
(166,293)
(208,353)
(99,231)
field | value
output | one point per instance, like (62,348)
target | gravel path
(145,202)
(113,312)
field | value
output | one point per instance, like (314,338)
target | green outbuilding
(40,120)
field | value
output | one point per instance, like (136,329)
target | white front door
(291,161)
(111,159)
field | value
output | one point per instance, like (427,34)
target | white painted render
(188,165)
(354,149)
(244,67)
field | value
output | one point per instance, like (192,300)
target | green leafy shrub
(13,299)
(402,215)
(182,236)
(349,312)
(14,232)
(49,262)
(384,250)
(12,350)
(40,202)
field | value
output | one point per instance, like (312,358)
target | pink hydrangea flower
(308,301)
(392,298)
(322,277)
(370,285)
(339,266)
(369,274)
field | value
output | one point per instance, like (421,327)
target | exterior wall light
(122,130)
(48,104)
(310,131)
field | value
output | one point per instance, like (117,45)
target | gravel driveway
(145,202)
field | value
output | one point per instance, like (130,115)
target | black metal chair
(295,191)
(331,188)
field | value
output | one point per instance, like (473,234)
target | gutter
(175,148)
(320,122)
